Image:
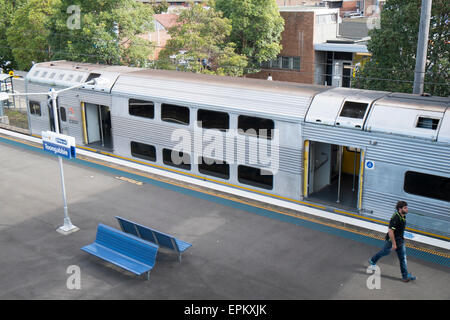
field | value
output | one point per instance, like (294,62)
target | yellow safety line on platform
(231,198)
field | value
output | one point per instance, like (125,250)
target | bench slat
(117,259)
(122,249)
(149,234)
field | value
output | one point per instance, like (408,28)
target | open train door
(332,174)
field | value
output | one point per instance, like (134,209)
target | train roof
(418,116)
(275,99)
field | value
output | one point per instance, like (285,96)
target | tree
(256,29)
(7,9)
(160,7)
(394,46)
(198,43)
(109,32)
(27,35)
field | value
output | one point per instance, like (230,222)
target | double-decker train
(359,151)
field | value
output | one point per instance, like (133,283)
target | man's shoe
(371,264)
(410,277)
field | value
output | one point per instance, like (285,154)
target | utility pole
(422,46)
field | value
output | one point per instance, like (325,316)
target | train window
(62,113)
(213,119)
(61,76)
(427,123)
(427,185)
(259,127)
(70,77)
(214,168)
(141,108)
(255,177)
(93,76)
(44,74)
(177,159)
(143,151)
(52,75)
(79,78)
(175,114)
(36,73)
(35,108)
(355,110)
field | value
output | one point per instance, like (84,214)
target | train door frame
(97,125)
(310,165)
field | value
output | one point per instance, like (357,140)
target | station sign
(59,144)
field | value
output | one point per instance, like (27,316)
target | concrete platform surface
(236,254)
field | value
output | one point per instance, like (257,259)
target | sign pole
(68,227)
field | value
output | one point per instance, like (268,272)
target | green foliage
(7,9)
(394,47)
(256,28)
(198,43)
(161,7)
(109,32)
(28,32)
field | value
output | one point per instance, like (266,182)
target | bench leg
(179,257)
(148,275)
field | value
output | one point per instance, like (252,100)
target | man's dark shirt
(397,224)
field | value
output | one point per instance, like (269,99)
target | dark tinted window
(427,185)
(177,159)
(62,113)
(143,151)
(175,114)
(213,119)
(35,108)
(262,128)
(255,177)
(214,168)
(354,110)
(141,108)
(93,76)
(427,123)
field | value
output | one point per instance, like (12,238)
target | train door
(97,122)
(332,174)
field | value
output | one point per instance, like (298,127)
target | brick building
(304,27)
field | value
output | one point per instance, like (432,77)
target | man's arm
(391,236)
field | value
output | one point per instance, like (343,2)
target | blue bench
(154,236)
(124,250)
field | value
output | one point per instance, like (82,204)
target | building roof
(167,20)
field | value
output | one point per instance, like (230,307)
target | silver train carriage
(350,151)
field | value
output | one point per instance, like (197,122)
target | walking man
(395,241)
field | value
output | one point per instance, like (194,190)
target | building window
(285,62)
(255,177)
(427,185)
(288,63)
(35,108)
(62,114)
(141,108)
(213,119)
(354,110)
(296,63)
(253,126)
(214,168)
(175,114)
(177,159)
(143,151)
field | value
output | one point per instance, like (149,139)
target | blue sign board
(59,144)
(56,149)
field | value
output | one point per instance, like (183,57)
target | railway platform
(238,252)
